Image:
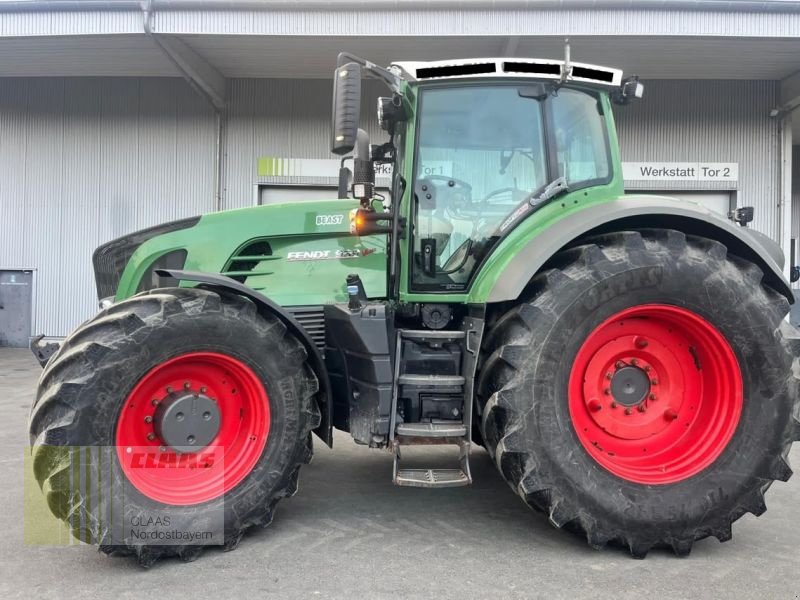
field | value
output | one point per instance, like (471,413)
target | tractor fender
(641,211)
(315,359)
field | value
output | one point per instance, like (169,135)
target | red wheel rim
(181,478)
(691,402)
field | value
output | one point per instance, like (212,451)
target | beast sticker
(328,254)
(330,219)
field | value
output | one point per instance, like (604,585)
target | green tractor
(624,360)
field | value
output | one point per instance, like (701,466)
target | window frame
(606,143)
(551,166)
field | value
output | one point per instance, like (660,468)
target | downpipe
(219,159)
(219,114)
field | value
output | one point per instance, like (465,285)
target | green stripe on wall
(266,166)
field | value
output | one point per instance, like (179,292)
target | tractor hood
(297,253)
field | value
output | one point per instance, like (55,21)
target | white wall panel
(453,19)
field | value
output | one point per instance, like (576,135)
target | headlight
(390,110)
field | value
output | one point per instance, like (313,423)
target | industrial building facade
(114,117)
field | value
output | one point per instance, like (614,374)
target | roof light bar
(456,70)
(516,67)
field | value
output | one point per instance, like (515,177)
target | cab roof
(533,68)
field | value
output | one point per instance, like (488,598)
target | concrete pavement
(350,533)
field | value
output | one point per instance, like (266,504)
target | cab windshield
(483,152)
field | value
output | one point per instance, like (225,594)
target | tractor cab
(477,146)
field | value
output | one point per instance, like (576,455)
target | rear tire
(87,404)
(552,442)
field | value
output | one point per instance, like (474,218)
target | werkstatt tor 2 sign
(680,171)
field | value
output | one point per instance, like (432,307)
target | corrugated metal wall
(85,160)
(710,121)
(288,118)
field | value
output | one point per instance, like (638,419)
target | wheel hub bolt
(647,368)
(609,375)
(634,362)
(169,389)
(203,390)
(613,405)
(619,364)
(670,415)
(607,391)
(187,385)
(653,397)
(151,436)
(654,381)
(642,408)
(628,411)
(154,401)
(148,419)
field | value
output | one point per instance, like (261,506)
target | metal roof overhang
(300,56)
(656,39)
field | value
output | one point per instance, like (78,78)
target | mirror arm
(363,169)
(371,69)
(345,179)
(361,149)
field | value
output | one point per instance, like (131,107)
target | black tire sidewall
(244,335)
(711,288)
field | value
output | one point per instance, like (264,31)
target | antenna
(567,72)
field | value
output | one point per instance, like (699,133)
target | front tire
(115,402)
(644,394)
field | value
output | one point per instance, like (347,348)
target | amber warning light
(367,222)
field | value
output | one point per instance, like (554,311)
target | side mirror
(346,107)
(631,89)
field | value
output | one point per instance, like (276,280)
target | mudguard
(639,211)
(213,280)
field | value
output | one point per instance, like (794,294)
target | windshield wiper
(552,190)
(531,203)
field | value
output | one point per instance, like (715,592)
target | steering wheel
(451,182)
